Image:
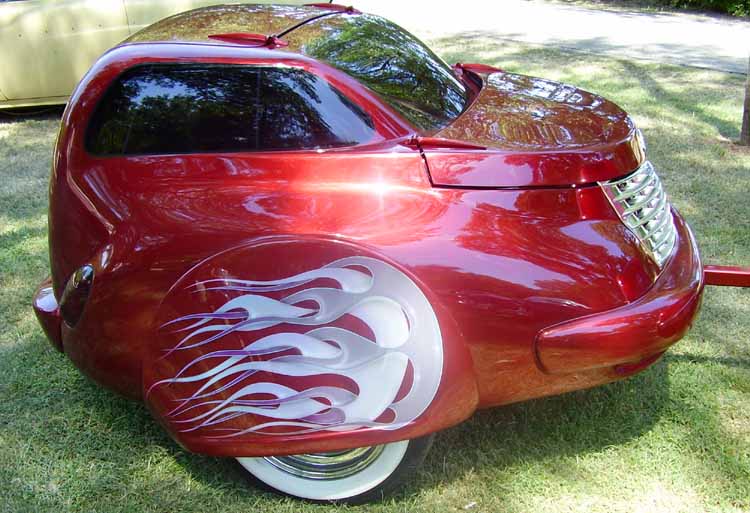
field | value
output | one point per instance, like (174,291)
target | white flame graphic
(400,317)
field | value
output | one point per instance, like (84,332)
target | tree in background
(745,131)
(734,7)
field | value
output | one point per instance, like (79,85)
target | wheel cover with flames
(350,344)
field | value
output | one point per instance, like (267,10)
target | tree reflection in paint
(391,62)
(198,108)
(374,51)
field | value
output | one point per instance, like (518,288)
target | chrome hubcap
(327,465)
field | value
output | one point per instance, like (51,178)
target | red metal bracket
(256,40)
(440,143)
(334,7)
(477,68)
(727,275)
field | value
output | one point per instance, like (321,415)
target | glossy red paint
(634,331)
(517,249)
(551,135)
(727,275)
(628,369)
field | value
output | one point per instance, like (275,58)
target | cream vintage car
(48,45)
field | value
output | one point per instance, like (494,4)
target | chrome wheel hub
(327,465)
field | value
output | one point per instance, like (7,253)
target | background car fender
(300,344)
(48,45)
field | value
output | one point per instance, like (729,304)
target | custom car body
(303,240)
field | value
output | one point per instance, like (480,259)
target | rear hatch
(535,132)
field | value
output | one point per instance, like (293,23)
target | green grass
(674,438)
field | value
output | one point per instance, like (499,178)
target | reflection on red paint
(537,285)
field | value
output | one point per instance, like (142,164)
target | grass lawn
(674,438)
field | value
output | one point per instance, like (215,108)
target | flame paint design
(398,314)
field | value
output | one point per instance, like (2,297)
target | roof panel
(198,24)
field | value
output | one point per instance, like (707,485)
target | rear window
(158,109)
(391,62)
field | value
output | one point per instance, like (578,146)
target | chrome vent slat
(643,206)
(654,193)
(668,238)
(627,193)
(663,223)
(665,234)
(634,221)
(665,250)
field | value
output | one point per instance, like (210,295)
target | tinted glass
(198,108)
(391,62)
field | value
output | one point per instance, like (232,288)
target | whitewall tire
(353,476)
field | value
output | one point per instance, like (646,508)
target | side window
(195,108)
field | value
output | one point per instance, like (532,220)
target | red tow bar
(727,275)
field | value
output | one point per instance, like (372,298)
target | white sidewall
(361,482)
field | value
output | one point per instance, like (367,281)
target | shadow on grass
(700,57)
(13,239)
(740,363)
(677,102)
(96,427)
(26,146)
(550,429)
(31,113)
(83,426)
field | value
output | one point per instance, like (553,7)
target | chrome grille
(641,202)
